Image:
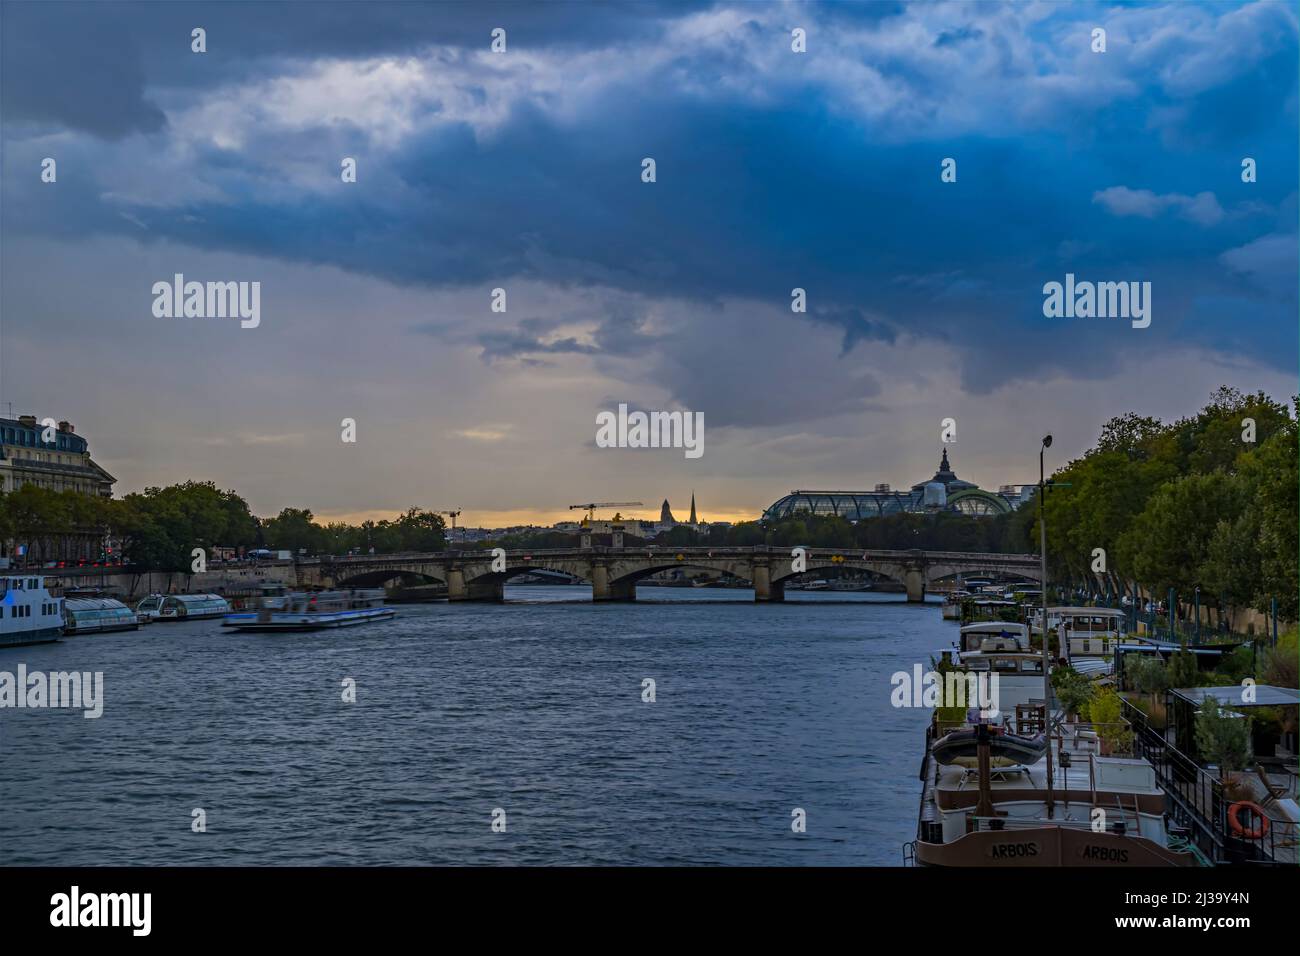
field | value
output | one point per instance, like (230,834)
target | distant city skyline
(377,299)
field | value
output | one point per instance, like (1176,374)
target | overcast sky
(522,170)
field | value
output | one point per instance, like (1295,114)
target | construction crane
(453,515)
(591,506)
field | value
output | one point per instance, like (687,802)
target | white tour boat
(29,613)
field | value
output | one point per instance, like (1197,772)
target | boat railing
(1113,739)
(1114,818)
(1199,802)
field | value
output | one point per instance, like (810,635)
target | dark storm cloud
(797,185)
(75,66)
(85,66)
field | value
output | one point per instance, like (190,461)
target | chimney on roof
(28,420)
(66,427)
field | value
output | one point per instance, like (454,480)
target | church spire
(693,520)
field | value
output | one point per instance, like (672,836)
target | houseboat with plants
(1090,630)
(990,798)
(1228,764)
(1087,638)
(989,636)
(975,609)
(951,609)
(1016,784)
(30,612)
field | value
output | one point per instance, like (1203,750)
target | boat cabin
(178,607)
(95,615)
(988,636)
(1085,630)
(976,609)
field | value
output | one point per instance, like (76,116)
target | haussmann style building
(61,464)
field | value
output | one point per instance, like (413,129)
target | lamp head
(1047,441)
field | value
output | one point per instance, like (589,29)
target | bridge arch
(785,572)
(381,577)
(942,572)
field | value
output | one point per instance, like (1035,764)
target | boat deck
(1129,787)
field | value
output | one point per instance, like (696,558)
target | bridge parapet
(613,572)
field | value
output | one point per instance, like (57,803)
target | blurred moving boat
(29,612)
(313,611)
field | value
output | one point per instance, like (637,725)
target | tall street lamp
(1047,662)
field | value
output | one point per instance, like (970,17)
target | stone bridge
(614,572)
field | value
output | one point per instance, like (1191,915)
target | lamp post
(1197,598)
(1173,632)
(1047,663)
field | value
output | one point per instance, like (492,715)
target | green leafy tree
(1147,675)
(680,537)
(1183,669)
(1282,663)
(294,530)
(1171,540)
(419,530)
(1275,473)
(1222,737)
(1074,689)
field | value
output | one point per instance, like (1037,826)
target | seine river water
(534,707)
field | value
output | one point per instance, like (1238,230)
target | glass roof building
(943,492)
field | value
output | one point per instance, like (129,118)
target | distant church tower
(666,514)
(693,519)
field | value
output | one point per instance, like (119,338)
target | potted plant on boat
(1104,714)
(1073,689)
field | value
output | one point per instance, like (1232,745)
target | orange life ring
(1255,833)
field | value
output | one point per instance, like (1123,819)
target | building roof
(946,477)
(1164,646)
(1266,695)
(962,496)
(1086,611)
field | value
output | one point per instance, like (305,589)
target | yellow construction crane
(453,515)
(591,506)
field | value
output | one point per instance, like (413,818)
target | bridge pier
(482,589)
(915,580)
(603,589)
(765,589)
